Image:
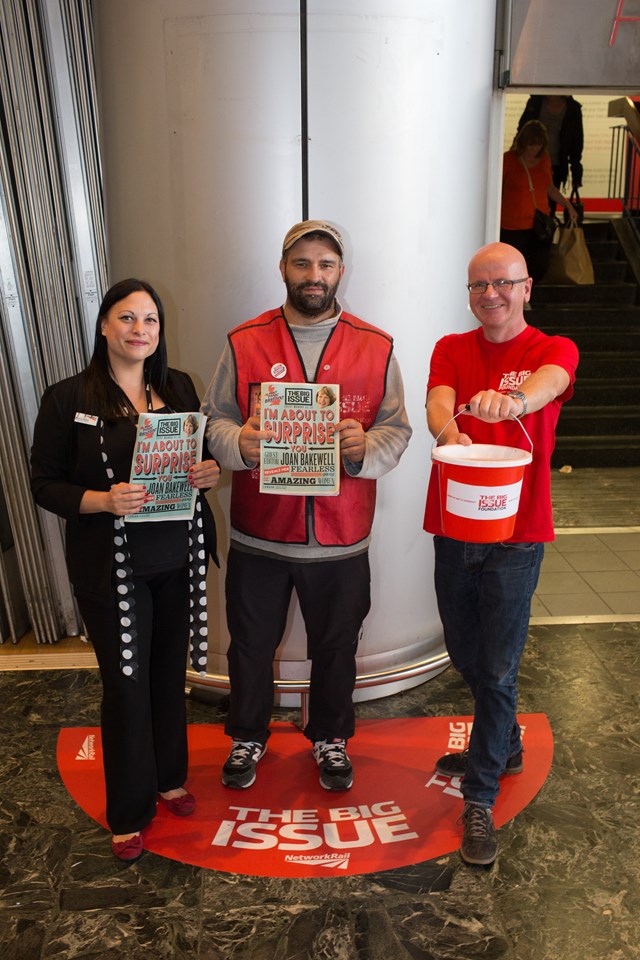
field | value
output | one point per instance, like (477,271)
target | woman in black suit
(140,587)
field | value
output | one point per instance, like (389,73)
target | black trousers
(534,252)
(334,596)
(143,722)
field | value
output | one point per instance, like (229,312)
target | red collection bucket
(479,489)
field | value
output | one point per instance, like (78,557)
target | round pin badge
(278,371)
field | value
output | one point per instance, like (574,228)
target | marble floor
(592,569)
(564,887)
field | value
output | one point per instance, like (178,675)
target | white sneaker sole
(243,786)
(335,788)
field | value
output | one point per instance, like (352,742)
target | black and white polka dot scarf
(198,630)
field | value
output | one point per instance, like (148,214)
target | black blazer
(66,461)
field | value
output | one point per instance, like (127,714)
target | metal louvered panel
(17,412)
(52,266)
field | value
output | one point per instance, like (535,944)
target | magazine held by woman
(167,445)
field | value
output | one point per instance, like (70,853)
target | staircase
(600,426)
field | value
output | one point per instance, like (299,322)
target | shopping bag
(578,206)
(569,260)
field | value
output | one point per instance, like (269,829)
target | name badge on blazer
(86,418)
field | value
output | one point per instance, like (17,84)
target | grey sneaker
(239,771)
(479,844)
(455,764)
(336,772)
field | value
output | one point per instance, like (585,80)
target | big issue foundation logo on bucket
(479,490)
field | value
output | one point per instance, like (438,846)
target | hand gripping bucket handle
(479,487)
(466,410)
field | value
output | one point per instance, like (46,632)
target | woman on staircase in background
(527,185)
(137,585)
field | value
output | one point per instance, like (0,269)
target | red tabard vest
(355,356)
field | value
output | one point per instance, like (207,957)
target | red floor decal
(398,812)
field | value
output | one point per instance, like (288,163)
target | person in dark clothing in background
(562,117)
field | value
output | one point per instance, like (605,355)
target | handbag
(569,260)
(544,225)
(578,206)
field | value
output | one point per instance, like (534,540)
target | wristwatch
(519,395)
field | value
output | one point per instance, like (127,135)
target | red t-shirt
(517,203)
(468,363)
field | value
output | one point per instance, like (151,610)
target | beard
(311,304)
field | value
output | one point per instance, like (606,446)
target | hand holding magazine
(167,446)
(302,455)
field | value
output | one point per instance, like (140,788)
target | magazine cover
(302,455)
(167,445)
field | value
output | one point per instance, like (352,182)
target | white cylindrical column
(201,138)
(399,114)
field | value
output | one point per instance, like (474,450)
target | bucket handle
(466,409)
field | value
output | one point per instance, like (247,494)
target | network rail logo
(337,861)
(88,749)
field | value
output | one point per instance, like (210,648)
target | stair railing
(624,174)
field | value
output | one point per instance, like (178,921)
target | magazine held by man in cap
(167,446)
(302,455)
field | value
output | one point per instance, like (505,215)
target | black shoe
(239,771)
(455,764)
(336,772)
(479,844)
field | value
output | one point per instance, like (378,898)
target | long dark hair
(104,396)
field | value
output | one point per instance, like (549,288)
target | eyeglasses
(498,285)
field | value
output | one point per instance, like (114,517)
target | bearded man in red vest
(317,545)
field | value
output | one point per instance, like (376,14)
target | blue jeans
(484,593)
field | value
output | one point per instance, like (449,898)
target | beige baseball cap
(300,230)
